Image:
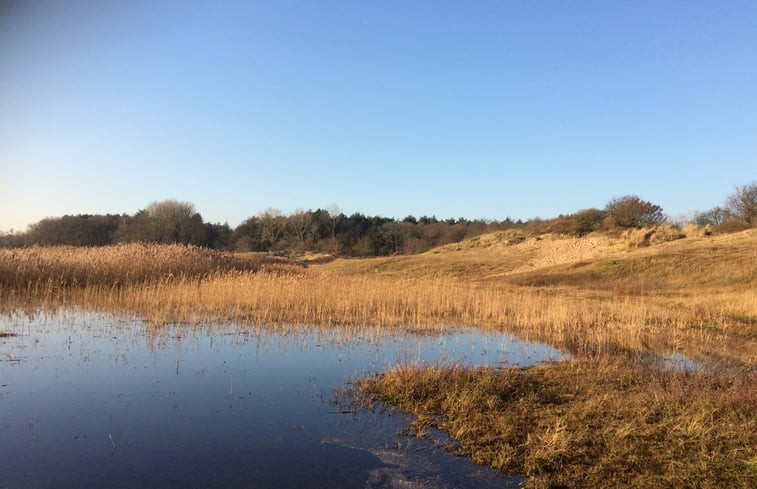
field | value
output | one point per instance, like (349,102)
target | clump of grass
(697,231)
(662,233)
(590,422)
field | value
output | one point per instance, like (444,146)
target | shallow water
(679,361)
(90,401)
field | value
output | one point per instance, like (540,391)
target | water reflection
(91,401)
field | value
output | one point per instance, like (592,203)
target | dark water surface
(95,402)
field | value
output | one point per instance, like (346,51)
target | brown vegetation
(116,266)
(599,417)
(695,295)
(600,422)
(610,416)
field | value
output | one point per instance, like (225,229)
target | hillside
(727,260)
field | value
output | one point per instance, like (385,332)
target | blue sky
(482,109)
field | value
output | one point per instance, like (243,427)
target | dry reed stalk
(687,298)
(578,323)
(121,265)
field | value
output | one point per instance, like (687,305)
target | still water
(94,401)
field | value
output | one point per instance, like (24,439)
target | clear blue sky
(481,109)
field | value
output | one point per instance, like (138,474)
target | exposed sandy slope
(552,250)
(537,252)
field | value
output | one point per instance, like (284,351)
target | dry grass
(697,294)
(122,265)
(640,238)
(579,324)
(605,418)
(588,423)
(699,299)
(489,259)
(600,418)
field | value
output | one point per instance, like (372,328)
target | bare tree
(299,224)
(171,221)
(271,225)
(714,217)
(742,204)
(334,215)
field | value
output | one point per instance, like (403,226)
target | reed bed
(120,265)
(582,325)
(593,307)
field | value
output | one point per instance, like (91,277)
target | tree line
(323,230)
(329,230)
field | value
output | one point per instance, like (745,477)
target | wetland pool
(93,401)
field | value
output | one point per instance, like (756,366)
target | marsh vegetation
(606,421)
(619,303)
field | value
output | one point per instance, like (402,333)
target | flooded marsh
(170,366)
(97,401)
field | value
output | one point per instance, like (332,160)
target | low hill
(727,260)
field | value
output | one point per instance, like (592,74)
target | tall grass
(699,298)
(119,265)
(178,284)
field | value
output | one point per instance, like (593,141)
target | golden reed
(186,284)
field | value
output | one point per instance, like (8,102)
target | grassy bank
(602,422)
